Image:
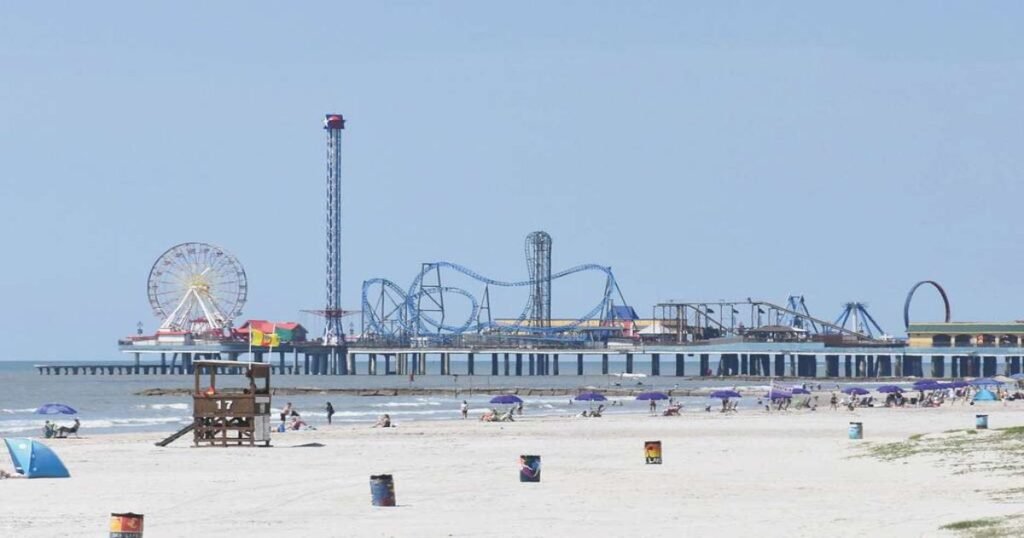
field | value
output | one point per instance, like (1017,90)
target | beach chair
(507,417)
(63,431)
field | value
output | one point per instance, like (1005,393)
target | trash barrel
(382,490)
(981,422)
(529,468)
(127,525)
(652,452)
(856,430)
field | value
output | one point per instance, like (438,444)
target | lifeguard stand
(231,416)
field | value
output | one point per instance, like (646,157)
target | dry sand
(784,474)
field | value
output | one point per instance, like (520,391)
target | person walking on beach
(464,409)
(330,412)
(654,407)
(286,411)
(519,408)
(834,402)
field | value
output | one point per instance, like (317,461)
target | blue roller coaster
(394,313)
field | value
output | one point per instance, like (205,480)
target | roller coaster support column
(519,364)
(604,364)
(680,365)
(470,367)
(494,364)
(629,363)
(655,364)
(579,364)
(556,364)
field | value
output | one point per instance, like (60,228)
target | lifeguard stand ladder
(231,416)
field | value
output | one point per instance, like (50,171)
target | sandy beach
(779,474)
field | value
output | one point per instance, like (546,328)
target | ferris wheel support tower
(333,331)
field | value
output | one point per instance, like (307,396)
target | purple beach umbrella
(506,399)
(800,390)
(778,395)
(889,388)
(983,382)
(725,394)
(856,390)
(958,384)
(55,409)
(590,397)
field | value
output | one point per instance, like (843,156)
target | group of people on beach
(52,431)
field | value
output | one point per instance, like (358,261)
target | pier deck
(804,360)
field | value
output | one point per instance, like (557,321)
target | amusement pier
(442,323)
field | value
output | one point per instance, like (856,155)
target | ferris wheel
(197,287)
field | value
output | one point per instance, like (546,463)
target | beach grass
(987,527)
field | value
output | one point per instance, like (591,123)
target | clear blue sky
(711,151)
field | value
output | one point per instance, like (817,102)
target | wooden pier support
(604,364)
(494,364)
(656,364)
(519,364)
(506,365)
(579,364)
(555,359)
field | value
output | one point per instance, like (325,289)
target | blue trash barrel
(382,490)
(529,468)
(981,422)
(856,430)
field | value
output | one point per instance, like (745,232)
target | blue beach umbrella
(34,459)
(56,409)
(725,394)
(924,382)
(506,399)
(590,397)
(856,390)
(799,390)
(652,396)
(958,384)
(889,389)
(983,382)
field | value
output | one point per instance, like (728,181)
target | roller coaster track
(396,311)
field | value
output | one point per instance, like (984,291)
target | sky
(707,151)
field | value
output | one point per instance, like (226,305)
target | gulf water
(109,404)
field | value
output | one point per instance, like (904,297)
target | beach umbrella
(1017,376)
(652,396)
(506,399)
(958,384)
(1003,379)
(889,389)
(590,397)
(725,394)
(925,382)
(856,390)
(34,459)
(55,409)
(983,381)
(778,395)
(800,390)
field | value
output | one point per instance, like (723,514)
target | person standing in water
(330,412)
(464,409)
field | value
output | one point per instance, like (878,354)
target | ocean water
(109,404)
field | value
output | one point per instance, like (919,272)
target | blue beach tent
(34,459)
(984,395)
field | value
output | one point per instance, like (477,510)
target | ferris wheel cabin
(231,416)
